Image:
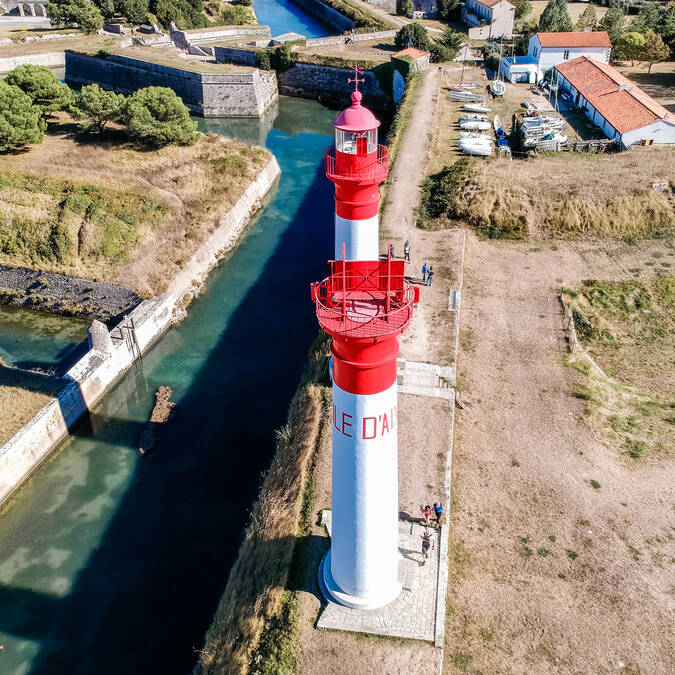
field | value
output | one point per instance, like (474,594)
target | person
(406,251)
(425,269)
(426,512)
(438,510)
(427,541)
(430,275)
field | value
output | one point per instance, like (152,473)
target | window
(566,54)
(355,142)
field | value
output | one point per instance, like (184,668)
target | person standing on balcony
(406,251)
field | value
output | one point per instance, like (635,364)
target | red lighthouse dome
(356,117)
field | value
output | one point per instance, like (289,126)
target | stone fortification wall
(246,94)
(112,353)
(184,38)
(242,57)
(326,14)
(50,59)
(329,85)
(357,37)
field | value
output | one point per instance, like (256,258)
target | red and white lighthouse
(357,165)
(364,306)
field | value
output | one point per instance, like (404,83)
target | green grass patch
(595,485)
(635,448)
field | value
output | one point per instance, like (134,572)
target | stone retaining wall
(357,37)
(112,353)
(242,57)
(245,94)
(50,59)
(184,38)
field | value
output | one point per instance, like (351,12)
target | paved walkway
(413,613)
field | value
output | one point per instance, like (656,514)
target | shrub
(155,116)
(21,122)
(97,107)
(262,60)
(441,192)
(231,15)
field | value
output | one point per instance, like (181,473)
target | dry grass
(369,50)
(82,42)
(192,186)
(22,396)
(574,195)
(659,84)
(255,596)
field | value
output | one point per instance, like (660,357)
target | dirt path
(548,574)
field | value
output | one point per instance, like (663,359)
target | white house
(520,69)
(615,104)
(550,49)
(488,18)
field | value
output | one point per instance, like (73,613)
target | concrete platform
(421,604)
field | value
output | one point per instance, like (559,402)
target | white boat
(475,136)
(475,125)
(467,97)
(473,116)
(480,149)
(497,122)
(497,87)
(476,107)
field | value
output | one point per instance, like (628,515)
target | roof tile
(598,38)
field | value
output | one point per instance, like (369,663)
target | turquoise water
(30,339)
(114,564)
(284,16)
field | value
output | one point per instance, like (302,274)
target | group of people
(428,536)
(427,270)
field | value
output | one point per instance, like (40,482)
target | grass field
(122,216)
(659,84)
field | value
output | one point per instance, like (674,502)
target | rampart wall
(326,14)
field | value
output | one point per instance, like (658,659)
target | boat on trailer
(476,107)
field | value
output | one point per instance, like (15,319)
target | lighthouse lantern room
(357,165)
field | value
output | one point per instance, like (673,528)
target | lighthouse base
(333,592)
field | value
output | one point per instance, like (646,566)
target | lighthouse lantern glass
(356,142)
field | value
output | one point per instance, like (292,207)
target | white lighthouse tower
(364,304)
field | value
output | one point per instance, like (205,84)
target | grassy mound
(122,216)
(566,196)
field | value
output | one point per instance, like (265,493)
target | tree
(523,8)
(654,50)
(667,27)
(452,40)
(648,18)
(21,122)
(81,12)
(44,89)
(614,22)
(588,18)
(107,8)
(136,11)
(155,116)
(405,8)
(447,9)
(556,17)
(97,107)
(243,3)
(631,45)
(413,33)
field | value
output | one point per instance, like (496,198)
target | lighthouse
(357,165)
(364,305)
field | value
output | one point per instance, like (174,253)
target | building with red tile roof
(614,103)
(420,58)
(550,49)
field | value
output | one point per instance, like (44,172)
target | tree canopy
(97,107)
(614,22)
(155,116)
(523,8)
(588,18)
(44,89)
(81,12)
(631,45)
(447,9)
(414,33)
(405,8)
(654,50)
(21,122)
(556,17)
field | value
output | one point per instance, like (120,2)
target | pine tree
(44,89)
(614,22)
(21,122)
(80,12)
(588,19)
(648,18)
(404,8)
(97,107)
(556,17)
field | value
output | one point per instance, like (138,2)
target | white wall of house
(552,56)
(660,132)
(498,19)
(525,72)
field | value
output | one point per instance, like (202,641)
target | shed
(418,59)
(520,69)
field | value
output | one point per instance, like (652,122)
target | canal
(111,563)
(286,16)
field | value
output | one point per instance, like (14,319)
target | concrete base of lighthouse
(333,592)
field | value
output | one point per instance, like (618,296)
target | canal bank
(123,559)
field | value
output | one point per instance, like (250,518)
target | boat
(482,118)
(475,135)
(475,125)
(479,149)
(461,87)
(497,87)
(476,107)
(497,123)
(467,97)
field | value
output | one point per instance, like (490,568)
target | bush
(155,116)
(413,33)
(136,11)
(45,90)
(441,193)
(185,14)
(243,3)
(75,12)
(405,8)
(231,15)
(262,60)
(21,122)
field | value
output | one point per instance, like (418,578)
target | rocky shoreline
(60,294)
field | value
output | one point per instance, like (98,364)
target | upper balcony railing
(364,299)
(364,168)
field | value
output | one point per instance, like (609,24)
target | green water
(30,339)
(112,563)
